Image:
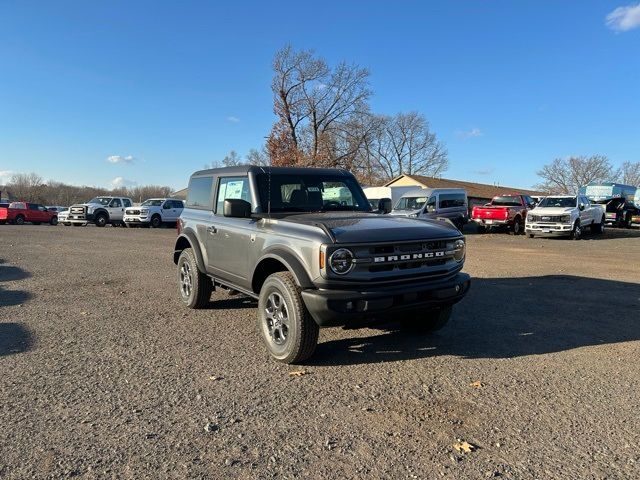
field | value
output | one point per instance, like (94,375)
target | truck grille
(403,260)
(133,212)
(77,210)
(546,218)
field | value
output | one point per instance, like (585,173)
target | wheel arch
(279,261)
(188,239)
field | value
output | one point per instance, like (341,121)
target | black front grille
(133,212)
(546,218)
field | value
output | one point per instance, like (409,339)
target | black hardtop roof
(245,169)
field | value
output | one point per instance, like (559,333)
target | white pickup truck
(154,212)
(565,215)
(98,210)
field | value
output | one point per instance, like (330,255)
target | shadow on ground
(506,318)
(14,338)
(9,273)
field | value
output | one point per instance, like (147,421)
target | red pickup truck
(503,211)
(21,212)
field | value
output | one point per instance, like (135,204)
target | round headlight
(341,261)
(458,250)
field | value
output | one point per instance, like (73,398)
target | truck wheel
(576,233)
(19,220)
(53,221)
(156,221)
(531,235)
(428,321)
(195,287)
(482,229)
(287,328)
(517,226)
(101,220)
(598,227)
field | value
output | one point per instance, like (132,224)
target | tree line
(31,187)
(566,175)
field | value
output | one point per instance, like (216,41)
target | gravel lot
(104,374)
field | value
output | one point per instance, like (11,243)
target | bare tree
(26,187)
(314,104)
(567,175)
(257,157)
(232,159)
(404,144)
(630,173)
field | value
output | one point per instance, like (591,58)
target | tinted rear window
(199,194)
(450,200)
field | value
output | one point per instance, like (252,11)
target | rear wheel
(429,321)
(482,229)
(19,220)
(598,227)
(286,326)
(195,287)
(517,226)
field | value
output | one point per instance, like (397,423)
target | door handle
(212,230)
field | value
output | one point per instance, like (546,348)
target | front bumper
(80,218)
(551,229)
(339,307)
(136,219)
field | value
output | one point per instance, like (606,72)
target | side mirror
(581,206)
(384,205)
(237,208)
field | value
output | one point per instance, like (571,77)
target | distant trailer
(374,194)
(619,201)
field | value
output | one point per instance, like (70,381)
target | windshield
(101,200)
(311,193)
(563,202)
(151,203)
(506,201)
(410,203)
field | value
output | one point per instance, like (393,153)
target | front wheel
(429,321)
(156,221)
(286,326)
(19,220)
(101,220)
(576,233)
(195,287)
(53,221)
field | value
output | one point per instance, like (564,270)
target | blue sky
(507,85)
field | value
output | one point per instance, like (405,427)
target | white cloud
(233,119)
(624,18)
(474,132)
(120,159)
(5,176)
(122,182)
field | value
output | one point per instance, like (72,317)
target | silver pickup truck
(311,258)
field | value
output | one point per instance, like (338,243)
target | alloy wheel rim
(277,318)
(186,284)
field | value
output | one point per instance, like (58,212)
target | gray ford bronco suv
(306,244)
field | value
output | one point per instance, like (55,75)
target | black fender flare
(100,211)
(188,239)
(289,260)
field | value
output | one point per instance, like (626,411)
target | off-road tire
(598,227)
(576,232)
(19,220)
(427,321)
(156,221)
(302,330)
(100,220)
(54,221)
(198,294)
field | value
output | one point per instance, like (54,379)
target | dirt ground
(104,374)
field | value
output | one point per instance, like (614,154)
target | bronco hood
(349,227)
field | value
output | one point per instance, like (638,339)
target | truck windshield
(310,193)
(151,203)
(506,201)
(410,203)
(101,200)
(562,202)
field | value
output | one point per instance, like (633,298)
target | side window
(199,193)
(33,206)
(431,204)
(451,200)
(115,203)
(232,187)
(42,208)
(126,202)
(178,204)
